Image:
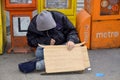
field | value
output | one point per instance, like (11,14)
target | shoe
(40,65)
(27,67)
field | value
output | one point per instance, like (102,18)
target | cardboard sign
(60,59)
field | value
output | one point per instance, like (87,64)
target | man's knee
(39,53)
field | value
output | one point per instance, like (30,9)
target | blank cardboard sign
(60,59)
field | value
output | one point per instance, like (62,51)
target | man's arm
(70,31)
(71,34)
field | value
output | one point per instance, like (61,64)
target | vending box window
(59,4)
(20,1)
(103,9)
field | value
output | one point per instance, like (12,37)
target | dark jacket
(63,32)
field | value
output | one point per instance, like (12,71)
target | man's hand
(52,42)
(70,45)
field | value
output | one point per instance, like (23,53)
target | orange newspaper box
(19,22)
(103,18)
(83,27)
(21,12)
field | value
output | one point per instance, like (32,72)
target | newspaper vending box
(100,23)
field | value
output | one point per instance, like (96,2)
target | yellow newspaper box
(2,28)
(68,7)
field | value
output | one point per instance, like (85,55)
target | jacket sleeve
(33,37)
(70,31)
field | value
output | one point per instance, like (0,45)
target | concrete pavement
(103,61)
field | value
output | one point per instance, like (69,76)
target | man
(50,28)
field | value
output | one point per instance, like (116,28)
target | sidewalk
(105,61)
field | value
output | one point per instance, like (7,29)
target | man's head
(45,21)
